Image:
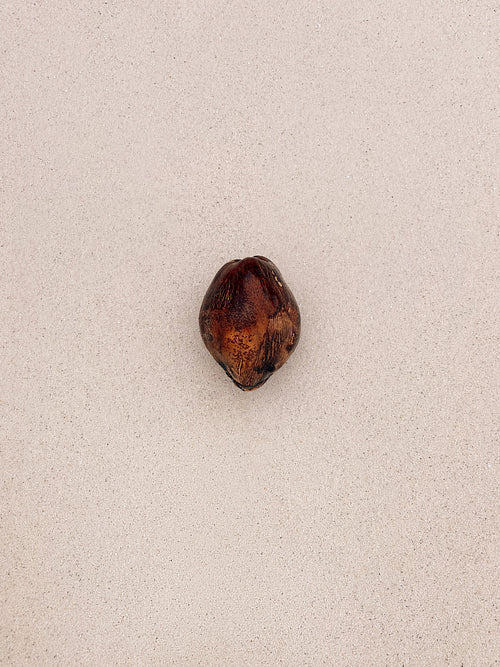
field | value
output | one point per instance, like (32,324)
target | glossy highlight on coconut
(249,320)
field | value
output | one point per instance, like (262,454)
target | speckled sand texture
(343,514)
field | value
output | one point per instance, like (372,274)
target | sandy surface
(152,513)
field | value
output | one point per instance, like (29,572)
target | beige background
(343,514)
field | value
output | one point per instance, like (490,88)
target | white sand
(343,514)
